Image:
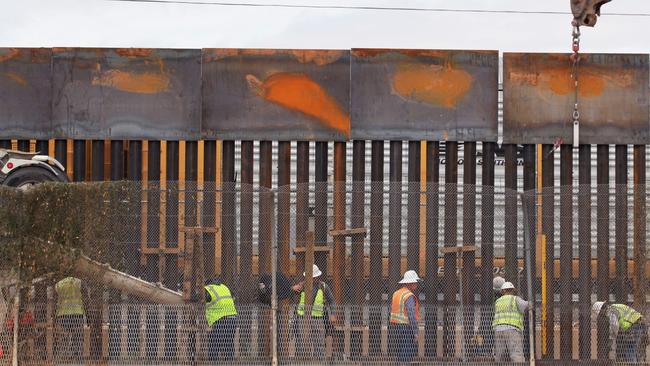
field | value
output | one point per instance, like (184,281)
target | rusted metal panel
(612,97)
(276,94)
(424,94)
(25,93)
(126,93)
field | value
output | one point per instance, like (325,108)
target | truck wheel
(28,176)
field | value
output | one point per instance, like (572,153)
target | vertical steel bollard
(274,291)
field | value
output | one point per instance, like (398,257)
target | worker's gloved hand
(195,298)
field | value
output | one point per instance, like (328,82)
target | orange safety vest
(398,313)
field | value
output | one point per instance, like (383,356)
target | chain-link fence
(145,252)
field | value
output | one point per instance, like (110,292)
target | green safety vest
(626,316)
(221,303)
(318,306)
(68,292)
(507,313)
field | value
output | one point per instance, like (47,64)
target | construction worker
(69,316)
(221,315)
(322,298)
(404,315)
(508,325)
(627,329)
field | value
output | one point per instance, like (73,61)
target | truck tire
(30,175)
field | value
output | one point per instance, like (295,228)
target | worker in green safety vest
(508,325)
(69,317)
(322,299)
(221,315)
(627,328)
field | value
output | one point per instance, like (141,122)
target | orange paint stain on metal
(141,83)
(134,52)
(319,57)
(8,53)
(300,93)
(591,83)
(16,78)
(444,86)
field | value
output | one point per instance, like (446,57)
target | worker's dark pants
(221,339)
(401,342)
(631,344)
(70,335)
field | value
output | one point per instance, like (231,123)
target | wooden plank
(228,211)
(566,251)
(450,280)
(602,247)
(316,249)
(320,202)
(548,214)
(395,217)
(376,244)
(469,237)
(621,224)
(584,251)
(338,255)
(432,247)
(302,198)
(284,205)
(413,207)
(349,232)
(640,214)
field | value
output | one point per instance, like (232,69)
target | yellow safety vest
(507,313)
(221,303)
(626,316)
(317,308)
(69,302)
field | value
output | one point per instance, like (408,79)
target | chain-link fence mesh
(144,252)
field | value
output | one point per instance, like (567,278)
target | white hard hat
(507,286)
(410,277)
(597,306)
(315,272)
(497,282)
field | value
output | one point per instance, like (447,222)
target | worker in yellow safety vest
(69,317)
(322,299)
(221,315)
(508,324)
(404,316)
(627,328)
